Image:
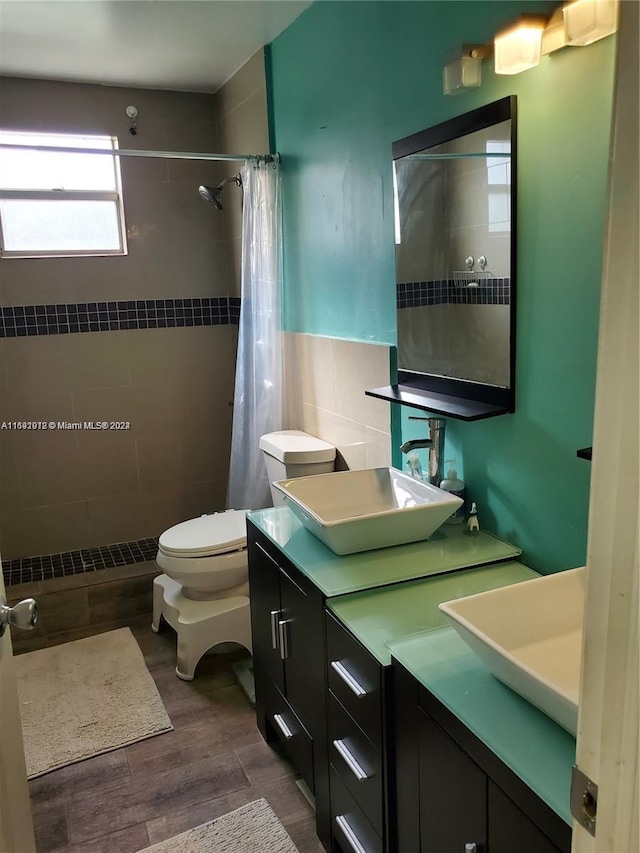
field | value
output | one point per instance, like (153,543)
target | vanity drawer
(357,762)
(349,825)
(292,734)
(354,677)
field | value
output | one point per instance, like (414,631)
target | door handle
(350,760)
(283,638)
(274,616)
(348,679)
(23,615)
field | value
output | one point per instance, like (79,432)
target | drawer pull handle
(274,615)
(349,834)
(351,761)
(472,847)
(283,639)
(348,679)
(284,728)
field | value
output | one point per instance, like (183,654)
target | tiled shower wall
(68,489)
(325,381)
(241,107)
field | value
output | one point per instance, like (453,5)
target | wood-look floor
(213,762)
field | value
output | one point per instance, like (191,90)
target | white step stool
(200,625)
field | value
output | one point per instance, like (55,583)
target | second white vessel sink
(353,511)
(529,635)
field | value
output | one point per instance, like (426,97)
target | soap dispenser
(456,487)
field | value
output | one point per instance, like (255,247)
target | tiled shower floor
(214,762)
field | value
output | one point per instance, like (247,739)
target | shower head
(213,194)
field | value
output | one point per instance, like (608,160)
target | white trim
(608,724)
(88,253)
(59,195)
(16,826)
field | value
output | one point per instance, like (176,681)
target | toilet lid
(206,535)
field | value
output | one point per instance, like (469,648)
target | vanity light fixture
(586,21)
(463,68)
(518,47)
(553,37)
(577,24)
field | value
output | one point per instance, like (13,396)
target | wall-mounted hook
(469,262)
(482,262)
(132,113)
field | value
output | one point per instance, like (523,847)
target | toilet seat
(206,536)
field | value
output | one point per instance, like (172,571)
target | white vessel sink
(354,511)
(529,635)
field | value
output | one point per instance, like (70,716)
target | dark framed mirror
(455,217)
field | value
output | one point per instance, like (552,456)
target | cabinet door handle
(274,616)
(350,760)
(471,847)
(266,554)
(283,639)
(348,679)
(284,728)
(349,834)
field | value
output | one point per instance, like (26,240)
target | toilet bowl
(203,593)
(207,555)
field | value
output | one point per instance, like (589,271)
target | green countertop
(403,621)
(539,751)
(449,548)
(379,616)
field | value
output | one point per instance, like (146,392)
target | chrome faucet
(435,443)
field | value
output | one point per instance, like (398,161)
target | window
(499,181)
(59,204)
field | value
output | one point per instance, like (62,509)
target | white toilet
(203,593)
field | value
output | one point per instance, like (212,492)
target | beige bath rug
(84,698)
(253,828)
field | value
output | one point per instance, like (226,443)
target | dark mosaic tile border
(234,310)
(71,318)
(46,566)
(413,294)
(492,291)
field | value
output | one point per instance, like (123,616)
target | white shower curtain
(258,390)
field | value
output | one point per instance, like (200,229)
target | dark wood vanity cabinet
(321,694)
(288,655)
(359,747)
(391,769)
(452,791)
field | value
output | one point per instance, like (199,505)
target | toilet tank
(292,453)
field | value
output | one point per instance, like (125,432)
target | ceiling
(186,45)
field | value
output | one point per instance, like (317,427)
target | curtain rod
(122,152)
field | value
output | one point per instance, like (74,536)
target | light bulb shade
(519,47)
(553,37)
(586,21)
(465,72)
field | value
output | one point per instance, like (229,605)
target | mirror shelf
(460,408)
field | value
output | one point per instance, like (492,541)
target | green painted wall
(349,78)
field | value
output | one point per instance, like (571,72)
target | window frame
(70,195)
